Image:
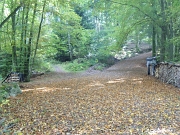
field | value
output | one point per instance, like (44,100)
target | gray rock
(12,89)
(2,121)
(15,90)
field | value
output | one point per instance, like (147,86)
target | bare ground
(120,100)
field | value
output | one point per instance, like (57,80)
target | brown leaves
(96,107)
(107,103)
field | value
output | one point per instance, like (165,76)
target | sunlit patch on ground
(28,90)
(66,88)
(162,131)
(96,84)
(42,89)
(121,80)
(138,79)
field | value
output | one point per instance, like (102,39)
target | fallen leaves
(109,104)
(102,108)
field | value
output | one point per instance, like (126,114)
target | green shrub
(92,61)
(7,90)
(41,65)
(106,59)
(100,66)
(105,56)
(76,65)
(1,78)
(99,62)
(79,64)
(3,95)
(6,63)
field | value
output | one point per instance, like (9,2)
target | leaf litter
(120,100)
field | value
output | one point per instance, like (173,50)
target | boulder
(11,89)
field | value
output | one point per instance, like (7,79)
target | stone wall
(168,73)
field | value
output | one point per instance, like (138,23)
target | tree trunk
(137,40)
(25,47)
(13,44)
(12,14)
(153,29)
(163,44)
(21,50)
(170,36)
(39,31)
(171,45)
(28,53)
(163,32)
(2,11)
(153,41)
(2,15)
(70,47)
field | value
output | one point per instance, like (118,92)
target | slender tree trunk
(176,28)
(70,47)
(171,45)
(21,57)
(163,44)
(158,40)
(163,32)
(2,17)
(25,47)
(170,36)
(137,40)
(153,29)
(39,31)
(153,41)
(2,11)
(13,44)
(12,13)
(177,45)
(28,53)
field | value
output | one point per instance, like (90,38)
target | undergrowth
(42,65)
(3,95)
(79,64)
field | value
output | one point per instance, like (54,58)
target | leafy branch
(139,9)
(13,13)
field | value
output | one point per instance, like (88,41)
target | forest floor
(120,100)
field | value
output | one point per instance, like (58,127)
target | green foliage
(5,64)
(78,64)
(3,95)
(83,11)
(105,56)
(1,77)
(42,65)
(99,66)
(99,62)
(6,90)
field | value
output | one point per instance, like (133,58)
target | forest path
(131,67)
(120,100)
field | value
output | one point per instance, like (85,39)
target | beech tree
(23,18)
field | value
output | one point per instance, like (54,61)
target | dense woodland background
(34,33)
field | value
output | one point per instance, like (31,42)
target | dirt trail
(135,66)
(120,100)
